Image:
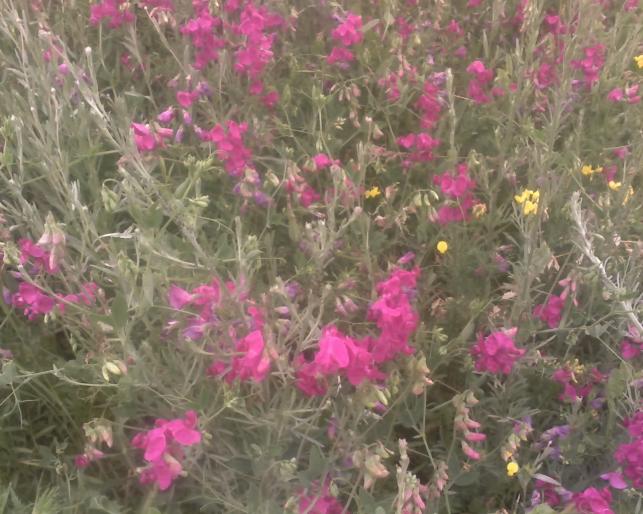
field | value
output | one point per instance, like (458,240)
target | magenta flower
(349,32)
(163,447)
(630,455)
(32,300)
(117,11)
(593,501)
(591,64)
(497,352)
(322,161)
(551,311)
(340,56)
(143,137)
(250,363)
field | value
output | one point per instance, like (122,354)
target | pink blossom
(230,146)
(43,259)
(497,352)
(551,311)
(593,501)
(145,140)
(591,64)
(615,479)
(201,31)
(117,11)
(322,161)
(455,185)
(349,32)
(32,300)
(470,452)
(178,297)
(251,363)
(186,98)
(163,447)
(615,95)
(340,56)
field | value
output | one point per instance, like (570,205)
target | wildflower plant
(324,257)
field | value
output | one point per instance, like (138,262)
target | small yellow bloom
(530,208)
(639,61)
(512,468)
(373,192)
(442,247)
(522,197)
(587,170)
(614,186)
(529,201)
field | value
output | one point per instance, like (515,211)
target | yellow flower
(512,468)
(521,198)
(373,192)
(530,208)
(614,186)
(442,247)
(586,170)
(639,61)
(529,200)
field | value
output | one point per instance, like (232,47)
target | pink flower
(163,447)
(117,11)
(349,32)
(593,501)
(186,98)
(178,297)
(43,259)
(470,452)
(145,140)
(591,64)
(482,74)
(615,479)
(322,161)
(251,363)
(615,95)
(497,352)
(236,157)
(32,300)
(340,56)
(551,311)
(455,185)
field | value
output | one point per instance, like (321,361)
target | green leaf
(119,311)
(8,375)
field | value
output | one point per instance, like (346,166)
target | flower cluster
(578,383)
(457,187)
(469,427)
(164,448)
(117,11)
(529,201)
(497,352)
(479,88)
(593,501)
(630,455)
(357,359)
(348,33)
(591,64)
(201,30)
